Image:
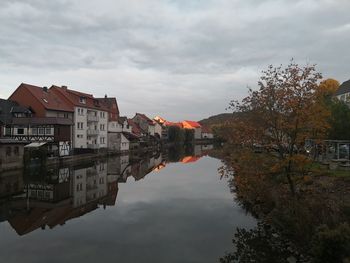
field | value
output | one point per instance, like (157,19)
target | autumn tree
(284,112)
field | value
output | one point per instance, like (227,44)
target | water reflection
(45,198)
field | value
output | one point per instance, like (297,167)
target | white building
(90,118)
(343,92)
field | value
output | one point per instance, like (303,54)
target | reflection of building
(52,197)
(11,154)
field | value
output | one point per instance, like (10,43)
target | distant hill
(217,119)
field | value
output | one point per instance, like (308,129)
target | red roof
(143,116)
(47,98)
(74,98)
(178,124)
(112,106)
(191,124)
(135,128)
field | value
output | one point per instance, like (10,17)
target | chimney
(64,87)
(105,96)
(45,88)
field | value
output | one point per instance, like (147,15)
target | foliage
(332,245)
(188,136)
(260,244)
(285,111)
(176,134)
(339,121)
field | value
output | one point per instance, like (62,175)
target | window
(41,131)
(102,140)
(48,131)
(65,115)
(16,151)
(34,131)
(80,136)
(80,125)
(8,151)
(102,127)
(7,131)
(20,131)
(82,100)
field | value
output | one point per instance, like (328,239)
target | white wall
(158,129)
(80,134)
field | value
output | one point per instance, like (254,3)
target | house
(117,142)
(193,126)
(158,129)
(206,133)
(146,124)
(343,92)
(136,129)
(50,119)
(90,118)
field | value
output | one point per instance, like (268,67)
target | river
(120,210)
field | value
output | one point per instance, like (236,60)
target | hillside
(217,119)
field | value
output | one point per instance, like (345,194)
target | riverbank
(316,219)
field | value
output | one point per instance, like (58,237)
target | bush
(332,245)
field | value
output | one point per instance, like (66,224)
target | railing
(91,118)
(92,132)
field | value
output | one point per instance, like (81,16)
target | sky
(180,59)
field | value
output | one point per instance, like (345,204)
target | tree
(284,112)
(339,121)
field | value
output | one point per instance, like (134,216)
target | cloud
(184,59)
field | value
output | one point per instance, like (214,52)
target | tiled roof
(143,116)
(192,124)
(343,88)
(47,99)
(7,108)
(74,98)
(178,124)
(135,128)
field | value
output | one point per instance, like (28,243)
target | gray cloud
(183,59)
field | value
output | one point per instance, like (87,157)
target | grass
(319,169)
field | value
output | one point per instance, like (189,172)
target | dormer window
(82,100)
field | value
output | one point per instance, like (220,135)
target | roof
(143,116)
(130,136)
(159,119)
(192,124)
(178,124)
(343,88)
(121,120)
(135,128)
(111,104)
(72,97)
(35,145)
(47,99)
(8,107)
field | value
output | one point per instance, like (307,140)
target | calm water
(119,210)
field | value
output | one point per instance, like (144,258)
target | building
(193,126)
(40,117)
(343,92)
(90,118)
(206,133)
(146,124)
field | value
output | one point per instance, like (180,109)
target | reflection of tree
(261,244)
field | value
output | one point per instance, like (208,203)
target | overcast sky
(181,59)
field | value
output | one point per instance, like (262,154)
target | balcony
(92,132)
(92,118)
(93,146)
